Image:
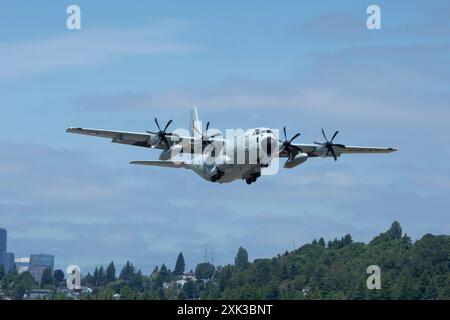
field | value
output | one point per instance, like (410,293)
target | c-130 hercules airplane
(215,159)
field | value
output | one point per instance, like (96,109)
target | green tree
(96,277)
(127,272)
(107,294)
(88,280)
(47,278)
(182,295)
(395,231)
(2,271)
(162,294)
(163,275)
(127,293)
(321,242)
(58,275)
(101,276)
(111,273)
(347,240)
(204,271)
(179,265)
(190,290)
(136,282)
(241,260)
(22,284)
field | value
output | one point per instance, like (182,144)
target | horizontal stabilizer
(163,163)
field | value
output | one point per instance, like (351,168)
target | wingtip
(137,162)
(73,129)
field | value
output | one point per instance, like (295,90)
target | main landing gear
(253,178)
(219,174)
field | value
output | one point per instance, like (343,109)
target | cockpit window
(261,131)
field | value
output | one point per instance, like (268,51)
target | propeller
(328,144)
(162,134)
(287,144)
(205,136)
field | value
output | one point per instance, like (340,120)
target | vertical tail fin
(195,126)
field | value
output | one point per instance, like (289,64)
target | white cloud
(373,83)
(89,47)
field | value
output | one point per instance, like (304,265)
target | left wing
(352,149)
(314,150)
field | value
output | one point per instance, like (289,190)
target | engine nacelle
(295,161)
(169,153)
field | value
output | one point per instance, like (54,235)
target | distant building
(167,285)
(3,239)
(6,258)
(189,276)
(181,282)
(38,294)
(40,262)
(22,265)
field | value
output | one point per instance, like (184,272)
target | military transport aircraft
(224,160)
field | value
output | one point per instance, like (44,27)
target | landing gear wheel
(252,178)
(217,176)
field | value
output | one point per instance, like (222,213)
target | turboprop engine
(171,152)
(218,168)
(299,158)
(221,162)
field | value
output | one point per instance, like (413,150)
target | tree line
(320,270)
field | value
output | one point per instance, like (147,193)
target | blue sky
(302,64)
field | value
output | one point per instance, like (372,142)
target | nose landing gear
(253,178)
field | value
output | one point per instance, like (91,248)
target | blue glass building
(40,262)
(6,258)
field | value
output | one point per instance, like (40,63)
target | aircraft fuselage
(243,158)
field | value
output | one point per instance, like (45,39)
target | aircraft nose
(268,145)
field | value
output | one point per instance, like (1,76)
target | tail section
(195,127)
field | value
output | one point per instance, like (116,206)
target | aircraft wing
(131,138)
(313,150)
(163,163)
(352,149)
(143,139)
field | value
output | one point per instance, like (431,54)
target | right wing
(164,163)
(313,150)
(139,139)
(147,140)
(131,138)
